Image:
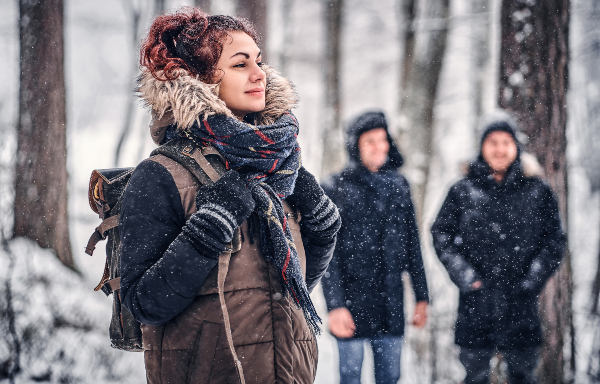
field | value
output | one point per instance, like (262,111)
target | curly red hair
(189,39)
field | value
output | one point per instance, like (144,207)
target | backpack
(105,195)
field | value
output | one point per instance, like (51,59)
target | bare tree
(333,138)
(256,12)
(588,120)
(533,86)
(407,13)
(480,25)
(585,125)
(424,52)
(159,6)
(41,167)
(284,54)
(204,5)
(135,13)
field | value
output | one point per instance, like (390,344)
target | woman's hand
(229,196)
(420,316)
(320,216)
(341,323)
(222,208)
(307,192)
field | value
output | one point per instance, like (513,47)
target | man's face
(499,150)
(373,147)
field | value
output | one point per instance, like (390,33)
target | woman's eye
(260,63)
(240,65)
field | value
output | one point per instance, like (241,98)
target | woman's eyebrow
(247,56)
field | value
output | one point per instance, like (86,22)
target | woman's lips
(256,92)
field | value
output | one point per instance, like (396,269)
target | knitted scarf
(268,157)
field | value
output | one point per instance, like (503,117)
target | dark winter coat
(170,286)
(378,240)
(508,236)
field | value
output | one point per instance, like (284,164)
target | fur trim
(187,99)
(280,97)
(531,166)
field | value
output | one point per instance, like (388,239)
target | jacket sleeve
(332,283)
(161,272)
(415,259)
(318,256)
(447,242)
(552,245)
(319,240)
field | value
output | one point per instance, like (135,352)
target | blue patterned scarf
(268,157)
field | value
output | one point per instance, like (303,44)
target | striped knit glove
(320,216)
(222,208)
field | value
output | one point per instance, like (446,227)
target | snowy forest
(437,68)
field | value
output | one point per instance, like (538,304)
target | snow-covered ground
(99,55)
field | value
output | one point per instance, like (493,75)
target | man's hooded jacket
(378,240)
(508,236)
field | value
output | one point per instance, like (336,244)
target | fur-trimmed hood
(186,99)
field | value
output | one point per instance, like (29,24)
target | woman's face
(499,150)
(242,81)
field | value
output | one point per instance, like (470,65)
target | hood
(526,165)
(363,123)
(185,100)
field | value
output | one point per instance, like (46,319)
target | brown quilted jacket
(271,337)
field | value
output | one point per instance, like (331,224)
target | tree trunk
(256,12)
(204,5)
(533,86)
(482,11)
(408,13)
(130,111)
(333,138)
(159,7)
(284,53)
(41,167)
(422,69)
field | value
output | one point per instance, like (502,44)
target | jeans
(521,365)
(386,357)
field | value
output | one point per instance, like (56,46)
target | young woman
(219,274)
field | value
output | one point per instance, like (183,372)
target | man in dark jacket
(499,236)
(378,240)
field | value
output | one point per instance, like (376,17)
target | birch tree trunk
(333,138)
(422,64)
(533,86)
(41,166)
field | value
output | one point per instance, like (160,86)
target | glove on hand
(222,208)
(319,215)
(307,192)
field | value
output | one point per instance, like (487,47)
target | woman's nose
(258,74)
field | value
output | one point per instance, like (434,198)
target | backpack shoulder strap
(186,153)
